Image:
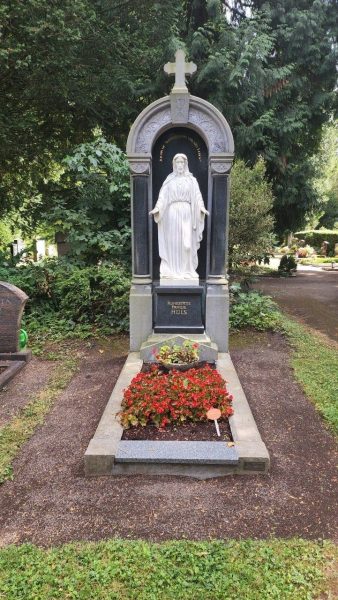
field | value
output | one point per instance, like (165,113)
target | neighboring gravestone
(324,248)
(193,299)
(63,246)
(12,303)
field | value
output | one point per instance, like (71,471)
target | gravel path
(23,388)
(311,296)
(50,501)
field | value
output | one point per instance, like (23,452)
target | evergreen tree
(271,69)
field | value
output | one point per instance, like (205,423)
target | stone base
(12,367)
(217,315)
(179,282)
(107,455)
(22,355)
(141,315)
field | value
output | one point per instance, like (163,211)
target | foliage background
(69,68)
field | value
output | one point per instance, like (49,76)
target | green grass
(315,364)
(179,570)
(318,260)
(22,426)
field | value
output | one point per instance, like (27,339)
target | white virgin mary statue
(179,213)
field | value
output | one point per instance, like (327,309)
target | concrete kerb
(253,454)
(100,454)
(251,450)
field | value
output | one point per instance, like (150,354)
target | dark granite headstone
(63,246)
(178,310)
(12,303)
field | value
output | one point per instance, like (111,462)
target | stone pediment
(167,112)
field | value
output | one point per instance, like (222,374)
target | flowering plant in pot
(178,357)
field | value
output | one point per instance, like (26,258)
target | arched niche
(160,118)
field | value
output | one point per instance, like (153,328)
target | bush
(68,294)
(251,309)
(304,251)
(161,399)
(251,222)
(316,238)
(287,264)
(90,203)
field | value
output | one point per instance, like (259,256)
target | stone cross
(180,69)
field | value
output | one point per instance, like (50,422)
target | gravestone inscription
(179,309)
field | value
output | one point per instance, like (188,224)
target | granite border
(253,456)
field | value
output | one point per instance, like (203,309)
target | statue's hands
(154,211)
(204,211)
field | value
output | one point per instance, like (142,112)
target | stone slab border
(249,448)
(12,367)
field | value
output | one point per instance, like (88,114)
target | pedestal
(217,315)
(141,315)
(178,309)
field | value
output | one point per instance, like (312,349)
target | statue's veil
(174,172)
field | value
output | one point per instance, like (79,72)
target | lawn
(209,570)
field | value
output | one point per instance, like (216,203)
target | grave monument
(180,151)
(163,301)
(12,358)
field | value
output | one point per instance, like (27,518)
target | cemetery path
(50,501)
(26,384)
(311,296)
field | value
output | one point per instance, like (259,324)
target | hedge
(315,238)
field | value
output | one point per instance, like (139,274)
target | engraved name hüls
(179,308)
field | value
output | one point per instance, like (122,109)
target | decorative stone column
(140,301)
(217,293)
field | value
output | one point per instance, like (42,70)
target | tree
(271,69)
(66,68)
(325,165)
(251,220)
(90,203)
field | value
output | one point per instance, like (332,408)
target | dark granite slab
(178,309)
(141,451)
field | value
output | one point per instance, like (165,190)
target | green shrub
(251,222)
(287,264)
(63,294)
(251,309)
(90,203)
(315,238)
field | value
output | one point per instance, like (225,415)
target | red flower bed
(175,397)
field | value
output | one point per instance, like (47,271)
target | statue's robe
(180,226)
